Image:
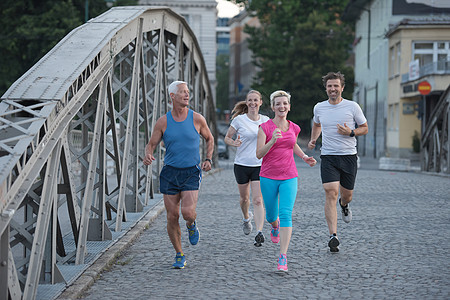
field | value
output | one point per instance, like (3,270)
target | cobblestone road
(396,247)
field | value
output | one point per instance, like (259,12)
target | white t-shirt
(248,130)
(328,116)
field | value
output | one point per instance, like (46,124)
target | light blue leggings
(286,192)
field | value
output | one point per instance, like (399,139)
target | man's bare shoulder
(198,117)
(161,123)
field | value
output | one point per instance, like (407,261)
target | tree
(30,28)
(222,81)
(297,43)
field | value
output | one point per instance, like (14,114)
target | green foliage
(299,42)
(30,28)
(222,74)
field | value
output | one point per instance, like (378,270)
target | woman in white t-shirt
(245,122)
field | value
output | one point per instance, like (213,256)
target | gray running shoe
(346,212)
(247,226)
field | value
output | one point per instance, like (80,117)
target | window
(395,54)
(433,55)
(392,63)
(396,118)
(393,119)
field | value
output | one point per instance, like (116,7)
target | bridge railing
(435,141)
(105,82)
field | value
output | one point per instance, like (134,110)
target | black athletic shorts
(340,168)
(245,174)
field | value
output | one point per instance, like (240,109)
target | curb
(110,255)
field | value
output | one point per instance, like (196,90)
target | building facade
(242,69)
(378,69)
(419,53)
(201,16)
(223,36)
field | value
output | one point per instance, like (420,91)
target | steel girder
(435,142)
(73,131)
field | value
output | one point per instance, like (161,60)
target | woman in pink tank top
(276,145)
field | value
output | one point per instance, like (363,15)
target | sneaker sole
(176,267)
(248,230)
(343,214)
(344,218)
(179,267)
(257,244)
(333,243)
(259,239)
(197,240)
(282,270)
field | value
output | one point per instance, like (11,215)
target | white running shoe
(247,226)
(346,212)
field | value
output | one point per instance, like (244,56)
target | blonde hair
(277,94)
(241,107)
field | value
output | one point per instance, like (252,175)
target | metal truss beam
(435,140)
(72,136)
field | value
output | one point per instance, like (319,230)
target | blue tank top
(182,142)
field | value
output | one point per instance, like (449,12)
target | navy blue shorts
(245,174)
(173,180)
(340,168)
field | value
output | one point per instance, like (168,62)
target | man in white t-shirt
(339,121)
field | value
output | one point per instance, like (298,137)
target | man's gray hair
(173,87)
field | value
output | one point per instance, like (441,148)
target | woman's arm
(261,147)
(307,159)
(229,138)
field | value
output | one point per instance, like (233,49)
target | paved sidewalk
(396,247)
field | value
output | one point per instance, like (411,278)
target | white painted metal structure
(435,141)
(106,82)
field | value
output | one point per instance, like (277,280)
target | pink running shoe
(282,263)
(275,233)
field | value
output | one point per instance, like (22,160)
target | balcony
(435,68)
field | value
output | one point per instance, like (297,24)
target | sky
(226,9)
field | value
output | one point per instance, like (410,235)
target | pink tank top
(279,163)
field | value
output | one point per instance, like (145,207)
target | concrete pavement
(396,247)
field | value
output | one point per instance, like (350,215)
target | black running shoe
(333,243)
(259,239)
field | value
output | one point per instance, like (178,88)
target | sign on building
(414,70)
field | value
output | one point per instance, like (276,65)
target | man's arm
(361,130)
(207,135)
(155,139)
(316,130)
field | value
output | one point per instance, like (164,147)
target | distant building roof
(400,7)
(428,22)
